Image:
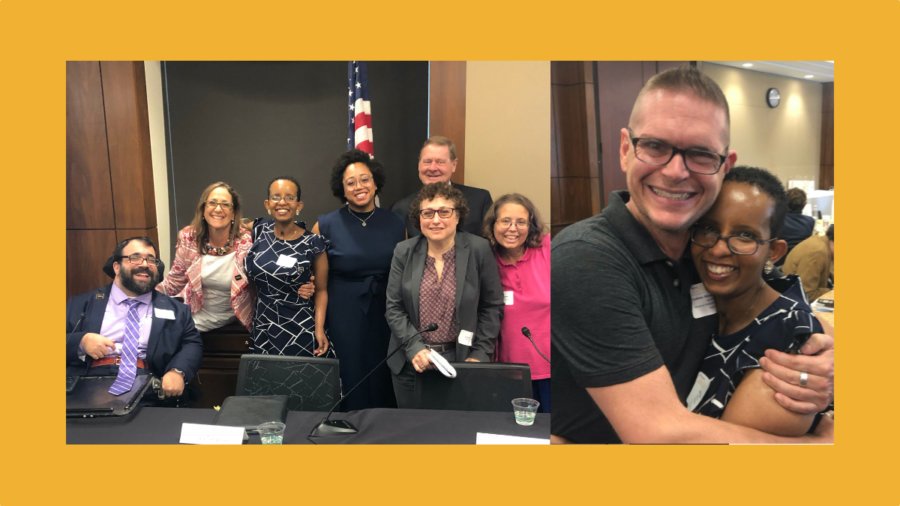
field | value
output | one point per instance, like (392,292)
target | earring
(769,267)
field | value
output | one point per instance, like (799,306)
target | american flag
(359,128)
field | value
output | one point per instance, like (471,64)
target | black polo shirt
(621,309)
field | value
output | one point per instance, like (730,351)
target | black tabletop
(150,425)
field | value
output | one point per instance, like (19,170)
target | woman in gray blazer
(447,277)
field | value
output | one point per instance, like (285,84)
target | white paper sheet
(484,438)
(201,434)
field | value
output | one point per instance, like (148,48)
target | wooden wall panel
(618,84)
(86,252)
(87,161)
(447,106)
(575,176)
(131,170)
(109,177)
(826,167)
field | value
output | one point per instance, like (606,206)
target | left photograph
(340,252)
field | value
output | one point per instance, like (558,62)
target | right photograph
(692,288)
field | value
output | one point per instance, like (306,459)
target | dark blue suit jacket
(478,199)
(173,344)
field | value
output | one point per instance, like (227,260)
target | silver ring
(804,379)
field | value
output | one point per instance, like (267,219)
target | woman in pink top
(522,249)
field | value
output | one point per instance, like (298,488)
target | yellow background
(36,38)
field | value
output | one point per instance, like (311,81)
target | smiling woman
(208,270)
(522,249)
(446,277)
(362,238)
(283,257)
(732,245)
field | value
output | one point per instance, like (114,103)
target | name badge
(286,261)
(165,314)
(702,303)
(465,338)
(508,297)
(701,385)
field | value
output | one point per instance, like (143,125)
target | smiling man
(629,325)
(128,328)
(437,163)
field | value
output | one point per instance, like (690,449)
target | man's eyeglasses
(444,213)
(739,244)
(659,153)
(138,259)
(286,198)
(212,204)
(508,222)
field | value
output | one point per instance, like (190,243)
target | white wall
(508,129)
(158,155)
(786,140)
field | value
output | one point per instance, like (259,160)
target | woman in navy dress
(361,243)
(283,257)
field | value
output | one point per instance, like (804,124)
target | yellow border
(36,38)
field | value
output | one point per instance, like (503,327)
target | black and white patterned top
(283,323)
(729,357)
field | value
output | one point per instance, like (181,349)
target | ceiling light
(809,76)
(747,65)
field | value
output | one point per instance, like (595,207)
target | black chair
(311,384)
(477,387)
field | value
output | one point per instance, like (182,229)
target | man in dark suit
(168,345)
(797,227)
(437,163)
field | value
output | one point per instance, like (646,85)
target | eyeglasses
(138,259)
(509,222)
(440,162)
(659,153)
(286,198)
(212,204)
(740,244)
(444,213)
(362,181)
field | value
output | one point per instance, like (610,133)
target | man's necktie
(128,364)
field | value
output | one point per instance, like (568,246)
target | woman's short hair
(201,230)
(768,184)
(355,156)
(433,191)
(796,200)
(536,227)
(282,178)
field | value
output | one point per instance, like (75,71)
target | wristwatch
(179,371)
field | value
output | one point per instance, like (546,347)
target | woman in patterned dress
(283,257)
(732,244)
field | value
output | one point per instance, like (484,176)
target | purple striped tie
(128,365)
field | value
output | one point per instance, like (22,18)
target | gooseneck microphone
(331,427)
(527,333)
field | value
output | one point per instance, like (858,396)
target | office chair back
(311,384)
(477,387)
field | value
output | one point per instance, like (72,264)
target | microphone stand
(328,427)
(527,333)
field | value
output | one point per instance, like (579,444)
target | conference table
(154,425)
